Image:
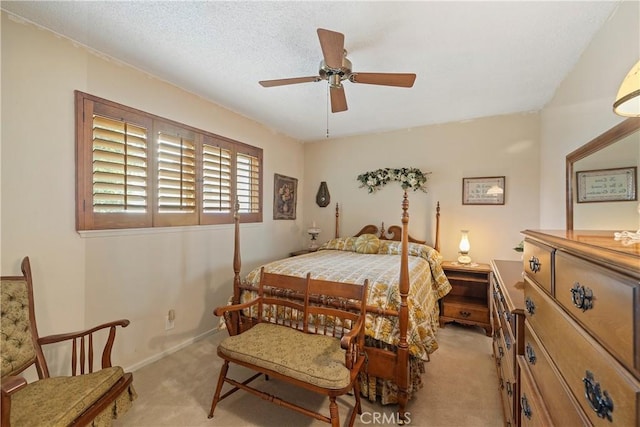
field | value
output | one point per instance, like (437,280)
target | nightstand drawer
(459,309)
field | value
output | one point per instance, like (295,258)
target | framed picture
(607,185)
(488,190)
(285,194)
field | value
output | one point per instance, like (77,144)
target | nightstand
(302,252)
(468,301)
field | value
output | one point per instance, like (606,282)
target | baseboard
(171,350)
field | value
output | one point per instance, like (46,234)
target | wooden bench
(306,332)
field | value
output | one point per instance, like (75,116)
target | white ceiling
(472,59)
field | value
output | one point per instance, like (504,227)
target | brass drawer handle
(599,401)
(501,351)
(531,355)
(465,314)
(581,297)
(526,409)
(530,305)
(534,264)
(509,389)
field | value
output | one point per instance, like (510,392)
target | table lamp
(313,232)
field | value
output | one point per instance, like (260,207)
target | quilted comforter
(339,260)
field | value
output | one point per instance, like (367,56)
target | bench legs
(216,396)
(333,412)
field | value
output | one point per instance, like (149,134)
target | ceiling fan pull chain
(328,111)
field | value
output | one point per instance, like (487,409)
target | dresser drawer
(563,408)
(508,386)
(538,263)
(585,366)
(605,303)
(505,355)
(533,411)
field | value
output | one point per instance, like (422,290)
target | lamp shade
(627,102)
(464,248)
(464,242)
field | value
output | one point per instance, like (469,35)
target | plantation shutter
(116,193)
(138,170)
(176,176)
(248,183)
(217,206)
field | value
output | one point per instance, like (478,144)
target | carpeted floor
(461,389)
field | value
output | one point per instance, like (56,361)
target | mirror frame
(611,136)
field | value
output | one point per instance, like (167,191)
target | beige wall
(494,146)
(83,280)
(582,107)
(139,275)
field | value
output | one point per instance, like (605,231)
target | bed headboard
(394,232)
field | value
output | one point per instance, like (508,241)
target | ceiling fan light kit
(336,67)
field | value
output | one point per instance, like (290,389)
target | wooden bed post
(337,222)
(436,245)
(234,324)
(402,377)
(236,253)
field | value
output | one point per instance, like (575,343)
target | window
(135,169)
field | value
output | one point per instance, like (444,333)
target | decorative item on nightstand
(313,232)
(464,247)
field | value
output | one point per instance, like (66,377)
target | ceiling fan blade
(332,44)
(291,81)
(384,79)
(338,99)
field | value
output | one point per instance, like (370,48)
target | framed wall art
(607,185)
(487,190)
(285,194)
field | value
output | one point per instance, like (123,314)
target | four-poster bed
(406,282)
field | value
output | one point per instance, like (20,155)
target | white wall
(582,106)
(139,275)
(494,146)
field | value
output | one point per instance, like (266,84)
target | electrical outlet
(170,320)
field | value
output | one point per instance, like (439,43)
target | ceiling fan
(335,68)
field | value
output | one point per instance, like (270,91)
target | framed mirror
(619,147)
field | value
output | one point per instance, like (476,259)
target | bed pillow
(367,244)
(340,244)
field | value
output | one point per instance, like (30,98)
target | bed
(402,307)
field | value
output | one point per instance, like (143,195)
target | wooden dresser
(507,318)
(581,361)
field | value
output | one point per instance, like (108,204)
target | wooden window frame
(86,219)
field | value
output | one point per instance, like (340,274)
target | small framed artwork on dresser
(488,190)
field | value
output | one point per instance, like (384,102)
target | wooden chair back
(333,308)
(281,299)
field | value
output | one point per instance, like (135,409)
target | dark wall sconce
(323,198)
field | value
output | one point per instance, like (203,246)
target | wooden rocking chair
(85,397)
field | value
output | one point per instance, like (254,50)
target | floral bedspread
(338,260)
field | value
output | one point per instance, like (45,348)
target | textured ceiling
(472,59)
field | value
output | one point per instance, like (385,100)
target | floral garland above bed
(409,178)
